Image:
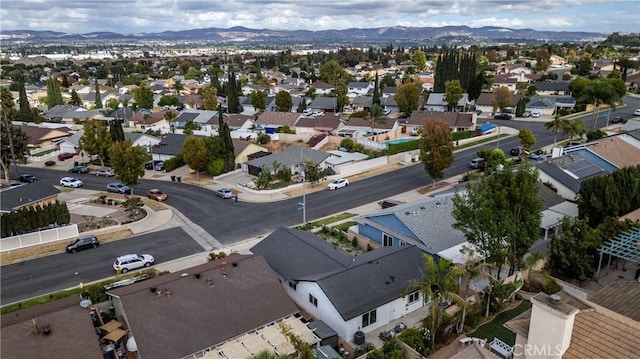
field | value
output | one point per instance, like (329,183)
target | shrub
(348,144)
(314,140)
(394,148)
(50,163)
(263,138)
(461,135)
(174,162)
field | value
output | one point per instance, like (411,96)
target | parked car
(224,193)
(502,116)
(518,150)
(536,114)
(616,119)
(636,112)
(65,155)
(160,166)
(29,178)
(157,195)
(83,243)
(117,187)
(105,172)
(526,114)
(337,183)
(477,162)
(149,165)
(79,169)
(387,111)
(70,182)
(129,262)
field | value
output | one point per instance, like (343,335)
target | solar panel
(583,168)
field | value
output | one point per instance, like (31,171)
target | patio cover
(115,335)
(111,326)
(625,246)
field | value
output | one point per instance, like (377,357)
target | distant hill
(395,34)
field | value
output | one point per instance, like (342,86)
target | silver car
(224,193)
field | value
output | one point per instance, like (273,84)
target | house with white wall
(350,294)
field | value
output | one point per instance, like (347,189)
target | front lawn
(495,328)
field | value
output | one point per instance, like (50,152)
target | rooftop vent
(554,298)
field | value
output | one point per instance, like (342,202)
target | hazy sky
(136,16)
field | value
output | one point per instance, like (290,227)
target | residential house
(324,104)
(170,145)
(269,122)
(458,121)
(143,120)
(424,223)
(70,144)
(249,110)
(485,103)
(79,116)
(436,102)
(358,104)
(513,69)
(145,141)
(390,104)
(58,112)
(328,124)
(322,88)
(207,120)
(341,159)
(42,136)
(557,61)
(552,88)
(243,149)
(191,101)
(217,307)
(388,91)
(350,294)
(293,157)
(567,326)
(356,127)
(21,340)
(355,89)
(237,121)
(27,195)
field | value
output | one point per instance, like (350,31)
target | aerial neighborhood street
(397,192)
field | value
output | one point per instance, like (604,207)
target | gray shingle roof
(290,156)
(14,198)
(324,103)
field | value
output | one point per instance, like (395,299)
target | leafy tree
(438,285)
(303,349)
(193,74)
(342,98)
(209,95)
(283,101)
(387,80)
(559,124)
(195,153)
(116,131)
(312,174)
(332,73)
(583,64)
(599,92)
(453,93)
(436,147)
(573,251)
(500,214)
(169,100)
(54,96)
(96,139)
(75,99)
(259,100)
(263,138)
(98,95)
(408,97)
(143,96)
(191,126)
(127,162)
(264,179)
(501,98)
(419,59)
(527,138)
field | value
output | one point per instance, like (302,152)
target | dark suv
(149,165)
(83,243)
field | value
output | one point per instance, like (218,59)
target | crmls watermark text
(540,350)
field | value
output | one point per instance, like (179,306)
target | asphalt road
(52,273)
(230,223)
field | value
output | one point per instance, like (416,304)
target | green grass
(344,226)
(332,219)
(495,328)
(484,140)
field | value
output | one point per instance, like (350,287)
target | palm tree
(439,285)
(171,117)
(267,354)
(576,129)
(376,116)
(558,124)
(599,92)
(471,270)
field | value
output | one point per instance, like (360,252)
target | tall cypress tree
(233,102)
(98,96)
(24,114)
(376,91)
(54,97)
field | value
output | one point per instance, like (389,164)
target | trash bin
(173,178)
(358,337)
(179,179)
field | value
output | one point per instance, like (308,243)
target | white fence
(372,144)
(37,238)
(33,154)
(360,166)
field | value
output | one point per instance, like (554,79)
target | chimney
(550,328)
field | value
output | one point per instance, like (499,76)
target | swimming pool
(400,140)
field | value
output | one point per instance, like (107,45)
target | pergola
(625,246)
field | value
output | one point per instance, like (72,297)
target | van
(390,203)
(477,162)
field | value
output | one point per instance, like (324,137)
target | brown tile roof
(485,99)
(203,312)
(236,120)
(327,121)
(363,122)
(72,332)
(148,119)
(453,119)
(38,134)
(617,151)
(278,118)
(619,297)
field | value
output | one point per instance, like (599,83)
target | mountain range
(380,35)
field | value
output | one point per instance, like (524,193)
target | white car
(535,114)
(636,112)
(70,182)
(132,261)
(337,183)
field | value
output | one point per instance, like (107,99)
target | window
(413,297)
(292,285)
(402,243)
(368,318)
(387,240)
(313,300)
